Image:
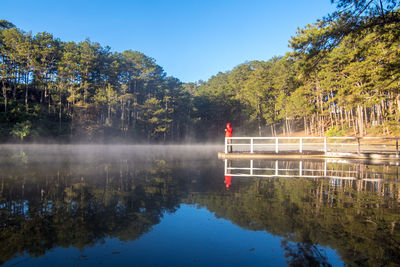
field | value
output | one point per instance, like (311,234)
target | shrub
(21,129)
(335,131)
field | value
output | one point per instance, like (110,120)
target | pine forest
(341,77)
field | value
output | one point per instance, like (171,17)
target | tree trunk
(353,121)
(108,111)
(134,111)
(129,115)
(305,125)
(15,85)
(365,120)
(341,117)
(123,115)
(4,89)
(360,116)
(26,91)
(260,118)
(312,129)
(60,111)
(398,107)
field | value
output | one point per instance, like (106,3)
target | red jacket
(228,181)
(228,130)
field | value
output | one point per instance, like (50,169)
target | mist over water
(178,205)
(81,153)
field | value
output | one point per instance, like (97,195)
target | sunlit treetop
(352,17)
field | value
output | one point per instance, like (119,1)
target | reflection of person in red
(228,133)
(228,181)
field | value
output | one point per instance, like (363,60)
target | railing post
(325,145)
(276,168)
(276,145)
(397,147)
(301,145)
(251,145)
(226,145)
(325,167)
(251,167)
(358,145)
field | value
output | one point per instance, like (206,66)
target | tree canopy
(342,77)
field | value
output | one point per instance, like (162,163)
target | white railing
(305,172)
(326,144)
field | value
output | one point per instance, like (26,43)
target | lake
(91,205)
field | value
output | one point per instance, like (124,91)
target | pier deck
(369,148)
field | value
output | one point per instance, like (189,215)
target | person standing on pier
(228,133)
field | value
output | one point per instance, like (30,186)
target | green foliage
(393,127)
(21,129)
(84,91)
(335,131)
(343,72)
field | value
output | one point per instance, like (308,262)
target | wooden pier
(367,148)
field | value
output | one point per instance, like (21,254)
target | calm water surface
(181,206)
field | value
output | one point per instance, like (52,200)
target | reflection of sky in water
(95,196)
(189,237)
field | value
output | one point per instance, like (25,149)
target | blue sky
(190,39)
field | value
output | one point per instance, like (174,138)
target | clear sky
(190,39)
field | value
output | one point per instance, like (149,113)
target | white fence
(298,169)
(323,144)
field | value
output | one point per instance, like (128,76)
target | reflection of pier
(372,148)
(307,169)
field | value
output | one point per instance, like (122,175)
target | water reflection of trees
(71,203)
(80,205)
(304,254)
(358,218)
